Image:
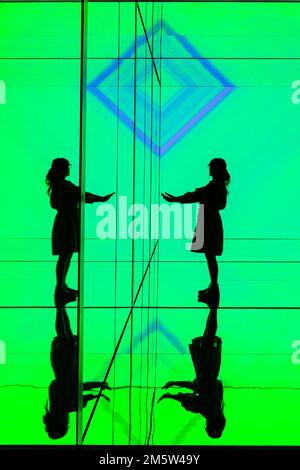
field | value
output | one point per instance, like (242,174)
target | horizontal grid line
(166,1)
(257,87)
(165,261)
(142,58)
(99,353)
(176,307)
(225,238)
(120,387)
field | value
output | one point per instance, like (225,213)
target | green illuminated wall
(255,128)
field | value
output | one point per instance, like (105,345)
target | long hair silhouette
(219,172)
(58,170)
(65,198)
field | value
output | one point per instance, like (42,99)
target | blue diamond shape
(184,109)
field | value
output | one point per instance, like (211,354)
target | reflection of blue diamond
(153,328)
(158,327)
(184,103)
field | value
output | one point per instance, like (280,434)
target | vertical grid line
(82,157)
(117,210)
(159,157)
(157,170)
(147,290)
(133,223)
(143,239)
(149,311)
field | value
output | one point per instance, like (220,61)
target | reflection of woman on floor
(203,400)
(207,391)
(65,198)
(63,392)
(214,198)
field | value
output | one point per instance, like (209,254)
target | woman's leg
(67,325)
(67,266)
(212,268)
(60,326)
(62,267)
(211,325)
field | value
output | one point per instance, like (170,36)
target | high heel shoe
(63,297)
(204,291)
(71,291)
(210,296)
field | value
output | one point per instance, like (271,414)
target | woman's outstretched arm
(92,385)
(169,395)
(181,384)
(195,196)
(90,198)
(90,396)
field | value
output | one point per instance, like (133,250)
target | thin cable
(150,230)
(147,39)
(152,414)
(149,311)
(143,240)
(152,190)
(145,166)
(82,165)
(133,224)
(144,202)
(118,344)
(117,211)
(159,157)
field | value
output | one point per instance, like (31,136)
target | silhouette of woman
(65,198)
(214,198)
(207,396)
(63,390)
(208,402)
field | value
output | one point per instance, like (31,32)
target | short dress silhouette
(214,198)
(206,356)
(65,198)
(63,391)
(207,398)
(206,401)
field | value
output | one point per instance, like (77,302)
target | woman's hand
(105,397)
(106,198)
(166,395)
(168,385)
(168,197)
(106,386)
(95,198)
